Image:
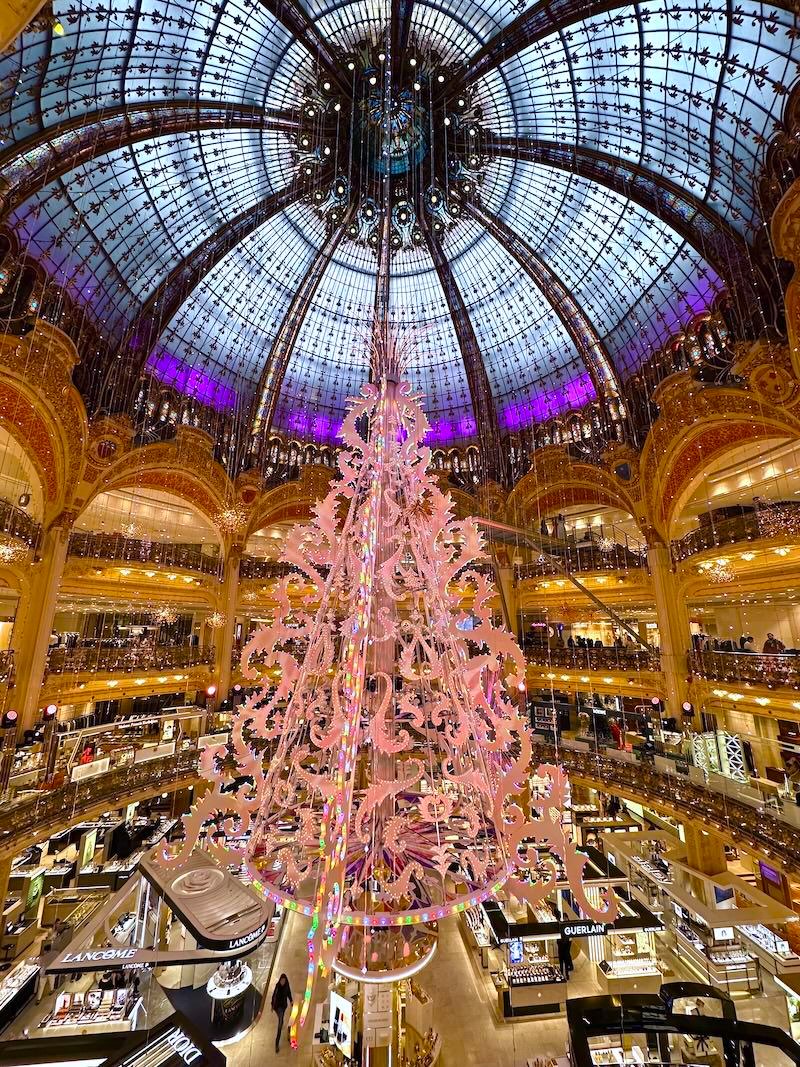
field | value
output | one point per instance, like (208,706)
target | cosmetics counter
(227,987)
(520,948)
(642,856)
(713,953)
(630,963)
(92,1011)
(771,949)
(17,987)
(419,1041)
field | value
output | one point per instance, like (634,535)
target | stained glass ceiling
(151,163)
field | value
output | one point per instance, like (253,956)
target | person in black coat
(281,999)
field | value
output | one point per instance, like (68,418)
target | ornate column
(224,648)
(705,851)
(33,625)
(673,627)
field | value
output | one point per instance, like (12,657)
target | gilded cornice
(699,423)
(42,409)
(556,481)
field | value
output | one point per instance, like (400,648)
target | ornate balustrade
(576,559)
(747,827)
(595,659)
(41,815)
(18,524)
(134,550)
(772,671)
(126,659)
(767,520)
(6,665)
(250,567)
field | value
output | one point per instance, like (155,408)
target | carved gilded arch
(185,467)
(291,502)
(698,424)
(43,411)
(556,481)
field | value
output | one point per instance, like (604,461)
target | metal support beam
(723,247)
(163,303)
(544,18)
(30,164)
(269,386)
(399,33)
(574,319)
(483,406)
(297,21)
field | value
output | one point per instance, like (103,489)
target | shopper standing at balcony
(772,646)
(616,733)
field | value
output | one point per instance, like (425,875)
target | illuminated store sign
(99,955)
(247,939)
(585,929)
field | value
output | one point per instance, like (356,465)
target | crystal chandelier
(389,757)
(719,572)
(12,551)
(216,620)
(606,544)
(232,518)
(165,616)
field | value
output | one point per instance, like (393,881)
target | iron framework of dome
(236,193)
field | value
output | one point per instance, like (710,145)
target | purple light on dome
(541,406)
(675,314)
(190,381)
(308,425)
(440,432)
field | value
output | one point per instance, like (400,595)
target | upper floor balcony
(126,658)
(767,520)
(116,546)
(252,567)
(571,556)
(772,671)
(596,659)
(17,523)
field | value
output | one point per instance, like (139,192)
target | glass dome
(568,184)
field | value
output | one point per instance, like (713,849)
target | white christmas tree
(377,784)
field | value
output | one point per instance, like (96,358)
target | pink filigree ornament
(379,782)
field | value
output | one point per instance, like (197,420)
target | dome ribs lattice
(696,221)
(591,175)
(576,322)
(269,387)
(544,18)
(300,25)
(25,168)
(164,302)
(483,406)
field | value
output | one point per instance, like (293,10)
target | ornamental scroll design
(378,779)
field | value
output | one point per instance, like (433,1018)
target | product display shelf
(770,949)
(729,967)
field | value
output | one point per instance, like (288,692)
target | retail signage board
(221,912)
(585,928)
(176,1042)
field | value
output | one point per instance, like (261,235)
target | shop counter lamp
(391,742)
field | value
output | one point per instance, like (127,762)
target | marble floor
(464,1009)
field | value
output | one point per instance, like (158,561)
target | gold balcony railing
(41,815)
(595,659)
(766,520)
(117,546)
(126,659)
(754,829)
(773,671)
